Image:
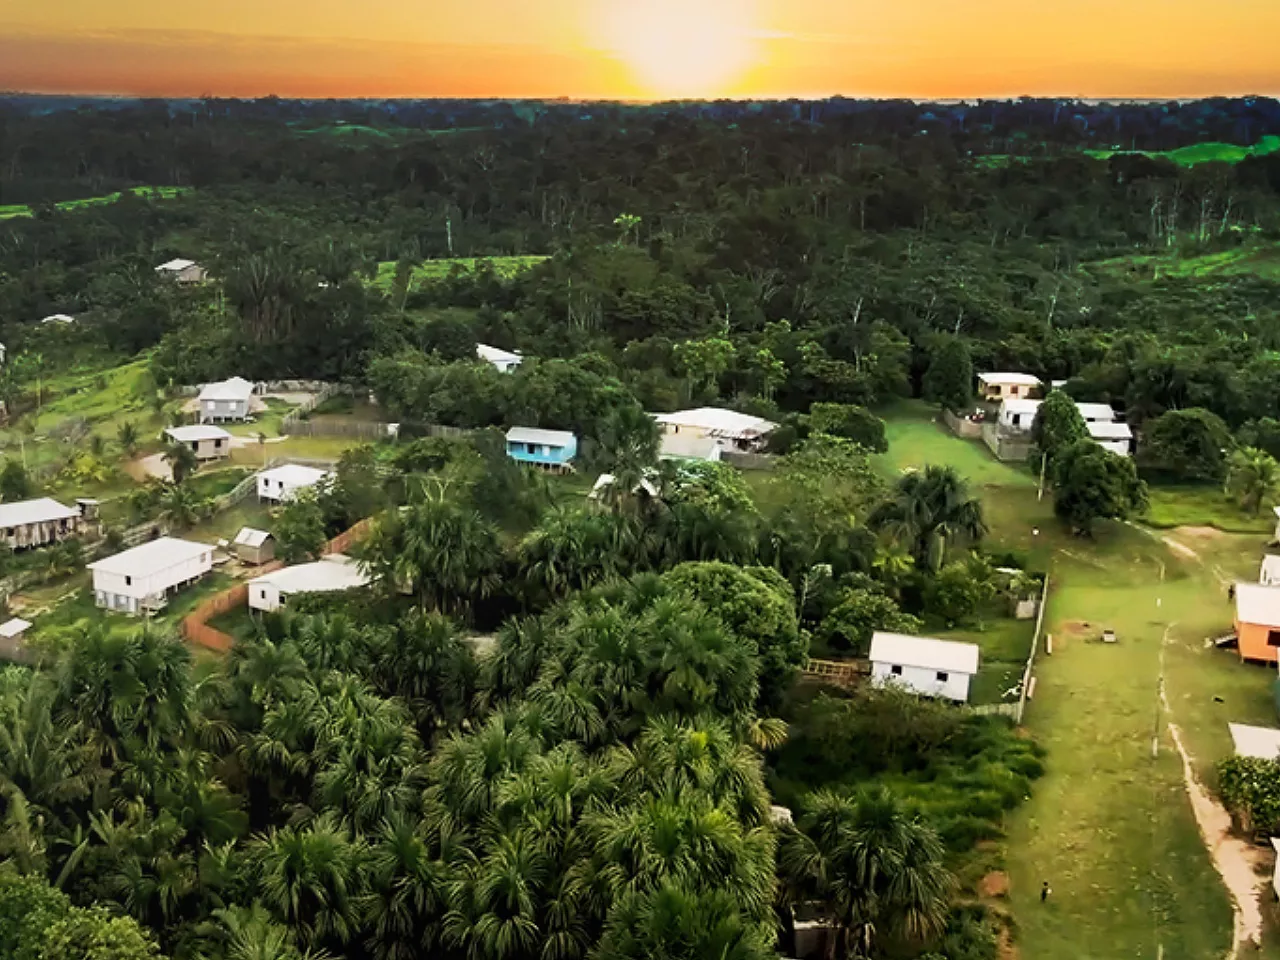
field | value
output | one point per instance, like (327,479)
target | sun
(681,48)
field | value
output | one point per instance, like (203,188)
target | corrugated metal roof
(11,628)
(1258,604)
(197,432)
(294,475)
(332,573)
(903,650)
(1017,379)
(237,388)
(496,355)
(249,537)
(152,557)
(1109,431)
(1097,412)
(44,510)
(175,266)
(551,438)
(720,422)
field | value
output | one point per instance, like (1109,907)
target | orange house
(1258,621)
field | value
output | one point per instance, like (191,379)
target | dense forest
(563,730)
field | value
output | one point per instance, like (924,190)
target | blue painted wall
(541,453)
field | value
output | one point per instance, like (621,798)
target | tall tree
(948,380)
(928,510)
(1253,477)
(1091,483)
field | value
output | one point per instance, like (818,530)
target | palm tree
(127,435)
(1253,476)
(181,507)
(182,461)
(877,871)
(928,510)
(408,891)
(677,921)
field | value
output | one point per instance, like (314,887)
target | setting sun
(681,48)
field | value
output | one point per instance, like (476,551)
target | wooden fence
(359,429)
(1017,709)
(195,626)
(840,673)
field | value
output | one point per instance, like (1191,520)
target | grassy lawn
(1258,259)
(505,267)
(305,448)
(225,525)
(1210,152)
(1202,506)
(1005,644)
(917,436)
(265,421)
(155,193)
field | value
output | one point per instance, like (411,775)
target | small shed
(281,484)
(13,639)
(1111,435)
(923,665)
(254,546)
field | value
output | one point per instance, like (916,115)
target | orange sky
(642,48)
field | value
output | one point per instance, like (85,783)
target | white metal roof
(11,628)
(196,432)
(1261,742)
(59,318)
(552,438)
(237,388)
(152,557)
(22,512)
(494,355)
(925,652)
(294,475)
(175,266)
(685,446)
(1270,571)
(1094,412)
(335,572)
(1108,430)
(1258,604)
(1017,379)
(719,422)
(1019,405)
(249,537)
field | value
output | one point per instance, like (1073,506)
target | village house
(1115,436)
(206,442)
(140,580)
(732,430)
(681,446)
(255,547)
(501,360)
(1257,622)
(547,449)
(183,271)
(226,401)
(995,387)
(331,574)
(281,484)
(37,523)
(923,665)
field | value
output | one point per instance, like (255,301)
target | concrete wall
(961,426)
(921,681)
(1006,447)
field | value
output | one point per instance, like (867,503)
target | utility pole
(1043,461)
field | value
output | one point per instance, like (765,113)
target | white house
(681,446)
(1260,742)
(734,430)
(271,591)
(182,271)
(502,361)
(225,400)
(1017,416)
(141,579)
(994,387)
(34,523)
(1113,436)
(282,483)
(931,668)
(206,441)
(1097,412)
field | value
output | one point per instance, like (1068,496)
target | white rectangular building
(331,574)
(227,400)
(502,360)
(140,580)
(923,665)
(735,431)
(1111,435)
(281,484)
(206,441)
(1018,416)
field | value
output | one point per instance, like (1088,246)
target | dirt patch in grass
(994,884)
(1181,549)
(1200,533)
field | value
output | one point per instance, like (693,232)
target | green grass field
(1204,506)
(1211,152)
(431,270)
(917,436)
(10,211)
(1256,259)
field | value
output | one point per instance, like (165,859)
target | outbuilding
(995,387)
(1257,621)
(182,271)
(281,484)
(254,546)
(923,665)
(1018,416)
(226,401)
(1269,574)
(140,580)
(206,441)
(13,644)
(331,574)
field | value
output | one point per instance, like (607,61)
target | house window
(1273,638)
(128,581)
(1017,419)
(217,444)
(532,448)
(896,670)
(1013,391)
(943,677)
(262,594)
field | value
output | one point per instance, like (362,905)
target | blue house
(549,449)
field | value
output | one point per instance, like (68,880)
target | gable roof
(1019,405)
(249,537)
(1109,430)
(1261,742)
(551,438)
(335,572)
(294,475)
(236,388)
(1096,412)
(1017,379)
(1258,604)
(152,557)
(924,652)
(196,432)
(43,510)
(719,422)
(176,265)
(494,355)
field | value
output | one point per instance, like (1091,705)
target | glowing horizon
(644,49)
